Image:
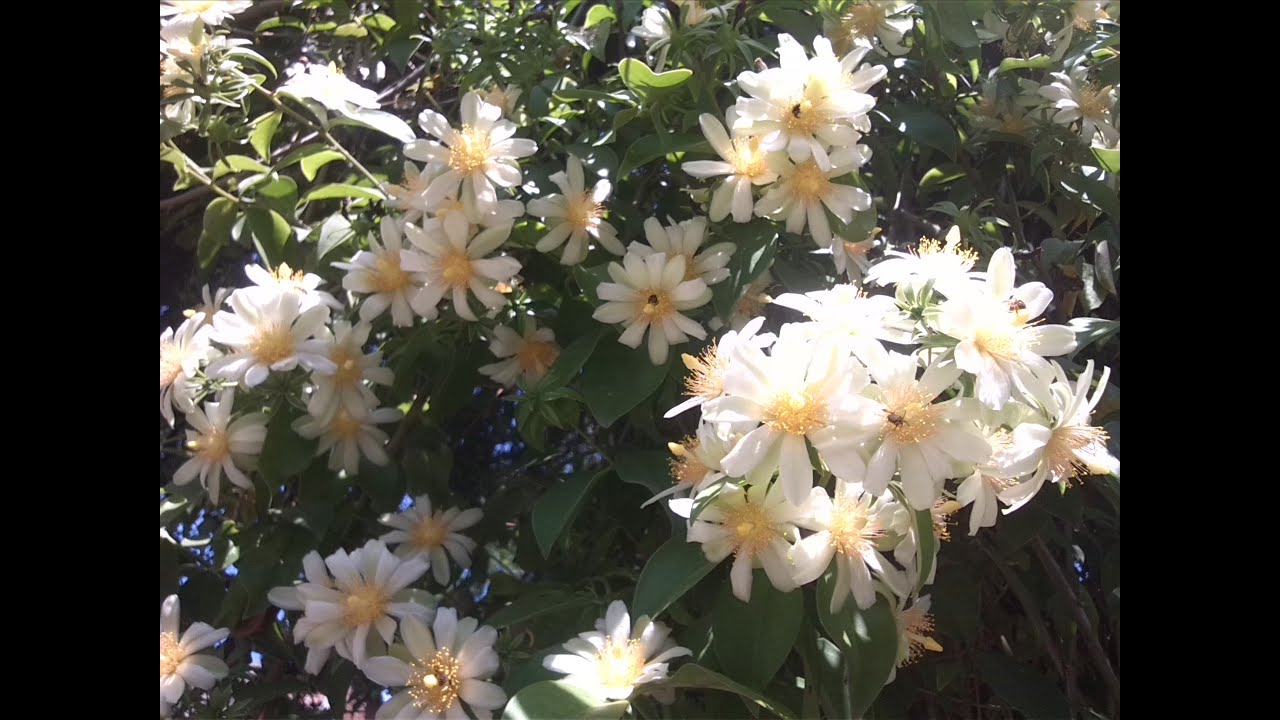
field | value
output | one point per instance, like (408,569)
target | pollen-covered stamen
(171,357)
(1004,343)
(796,413)
(171,654)
(750,530)
(434,684)
(344,426)
(470,150)
(1094,102)
(809,183)
(582,212)
(535,357)
(349,369)
(619,664)
(388,277)
(909,417)
(916,626)
(271,344)
(364,606)
(952,252)
(803,116)
(706,373)
(747,159)
(942,511)
(852,527)
(414,185)
(686,468)
(429,533)
(212,448)
(861,21)
(1013,123)
(287,275)
(657,304)
(1063,451)
(455,269)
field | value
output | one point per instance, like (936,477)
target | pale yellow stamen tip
(430,533)
(388,277)
(796,413)
(365,606)
(456,270)
(271,344)
(470,150)
(809,183)
(434,684)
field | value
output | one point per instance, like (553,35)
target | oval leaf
(609,399)
(559,700)
(869,639)
(342,190)
(557,508)
(754,655)
(675,568)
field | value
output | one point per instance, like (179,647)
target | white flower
(284,280)
(848,531)
(211,305)
(449,665)
(180,662)
(697,461)
(529,355)
(919,437)
(219,445)
(461,222)
(802,390)
(380,273)
(210,12)
(808,107)
(706,372)
(744,163)
(180,356)
(267,334)
(288,597)
(865,20)
(1007,463)
(1075,98)
(345,386)
(655,26)
(996,343)
(356,614)
(803,190)
(504,98)
(684,239)
(845,314)
(1069,447)
(479,155)
(349,432)
(610,662)
(326,85)
(915,630)
(455,265)
(750,303)
(850,257)
(756,524)
(947,266)
(419,531)
(409,197)
(573,214)
(650,293)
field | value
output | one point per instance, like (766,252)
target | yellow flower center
(686,468)
(212,448)
(171,357)
(536,357)
(1003,343)
(1085,12)
(271,344)
(470,150)
(620,664)
(388,277)
(1060,453)
(345,427)
(809,184)
(909,417)
(286,275)
(951,251)
(657,304)
(171,656)
(796,413)
(413,186)
(747,159)
(750,529)
(365,606)
(434,685)
(455,269)
(861,21)
(803,117)
(1095,102)
(852,527)
(496,96)
(582,212)
(706,373)
(429,533)
(916,626)
(349,369)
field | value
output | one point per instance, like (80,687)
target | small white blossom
(419,531)
(181,663)
(650,294)
(610,662)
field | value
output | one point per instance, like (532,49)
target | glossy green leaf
(670,572)
(926,540)
(281,195)
(931,129)
(644,82)
(753,657)
(560,700)
(271,232)
(535,603)
(285,453)
(1090,330)
(691,675)
(955,23)
(648,468)
(757,244)
(379,22)
(607,398)
(263,133)
(312,163)
(570,361)
(652,147)
(1108,159)
(1039,62)
(869,639)
(1033,694)
(342,190)
(218,219)
(556,509)
(598,14)
(237,163)
(333,232)
(941,175)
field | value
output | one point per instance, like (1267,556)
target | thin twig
(199,174)
(324,132)
(404,82)
(183,198)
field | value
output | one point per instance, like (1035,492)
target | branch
(320,129)
(199,174)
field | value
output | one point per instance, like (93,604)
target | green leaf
(535,603)
(955,23)
(1039,62)
(380,22)
(280,195)
(559,700)
(1108,159)
(642,81)
(263,133)
(753,657)
(607,398)
(869,639)
(941,175)
(651,147)
(342,190)
(589,277)
(1090,330)
(312,163)
(333,232)
(672,571)
(647,468)
(931,129)
(351,29)
(926,541)
(691,675)
(757,243)
(1033,694)
(320,494)
(570,361)
(285,453)
(598,14)
(218,219)
(271,231)
(558,506)
(238,163)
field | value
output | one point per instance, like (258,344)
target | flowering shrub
(584,359)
